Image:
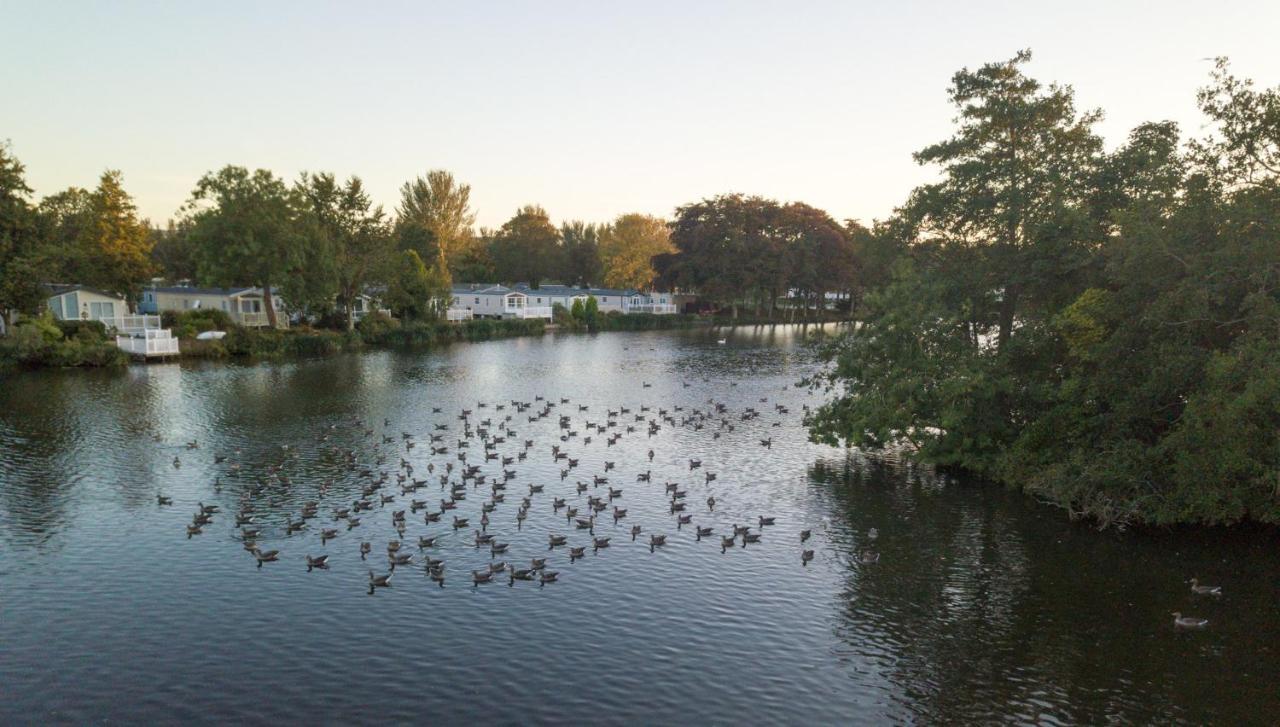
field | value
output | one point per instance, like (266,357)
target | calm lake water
(984,606)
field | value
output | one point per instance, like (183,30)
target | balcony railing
(150,342)
(530,312)
(658,308)
(258,320)
(458,314)
(132,323)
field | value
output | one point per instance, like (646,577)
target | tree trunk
(351,316)
(269,304)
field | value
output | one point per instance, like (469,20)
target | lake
(983,606)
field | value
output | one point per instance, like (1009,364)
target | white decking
(149,343)
(528,312)
(131,323)
(656,308)
(458,314)
(258,320)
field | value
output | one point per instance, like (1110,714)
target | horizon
(554,107)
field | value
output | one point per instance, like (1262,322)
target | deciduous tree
(248,228)
(627,249)
(527,247)
(357,233)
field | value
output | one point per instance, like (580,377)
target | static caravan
(79,303)
(245,306)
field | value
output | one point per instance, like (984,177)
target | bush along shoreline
(374,331)
(43,342)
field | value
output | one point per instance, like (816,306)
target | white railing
(458,314)
(531,312)
(151,342)
(258,320)
(658,308)
(129,324)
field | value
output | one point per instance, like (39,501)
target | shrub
(40,342)
(376,324)
(188,323)
(87,331)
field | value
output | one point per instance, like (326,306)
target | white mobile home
(139,335)
(632,301)
(245,306)
(552,295)
(497,301)
(81,303)
(523,301)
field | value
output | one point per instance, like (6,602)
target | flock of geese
(478,455)
(480,459)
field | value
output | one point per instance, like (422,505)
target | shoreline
(257,344)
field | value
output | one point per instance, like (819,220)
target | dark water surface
(984,607)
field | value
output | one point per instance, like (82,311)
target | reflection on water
(983,606)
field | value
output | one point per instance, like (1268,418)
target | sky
(591,109)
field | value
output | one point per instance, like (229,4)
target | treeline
(321,241)
(1098,328)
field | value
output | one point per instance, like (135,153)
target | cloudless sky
(591,109)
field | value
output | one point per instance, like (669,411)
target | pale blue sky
(591,109)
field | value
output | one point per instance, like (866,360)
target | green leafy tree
(19,282)
(64,227)
(357,232)
(473,263)
(723,249)
(814,252)
(94,238)
(1014,173)
(435,218)
(527,247)
(248,228)
(416,292)
(1133,377)
(172,252)
(581,259)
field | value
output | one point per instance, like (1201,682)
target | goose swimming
(267,557)
(656,541)
(1188,622)
(1205,590)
